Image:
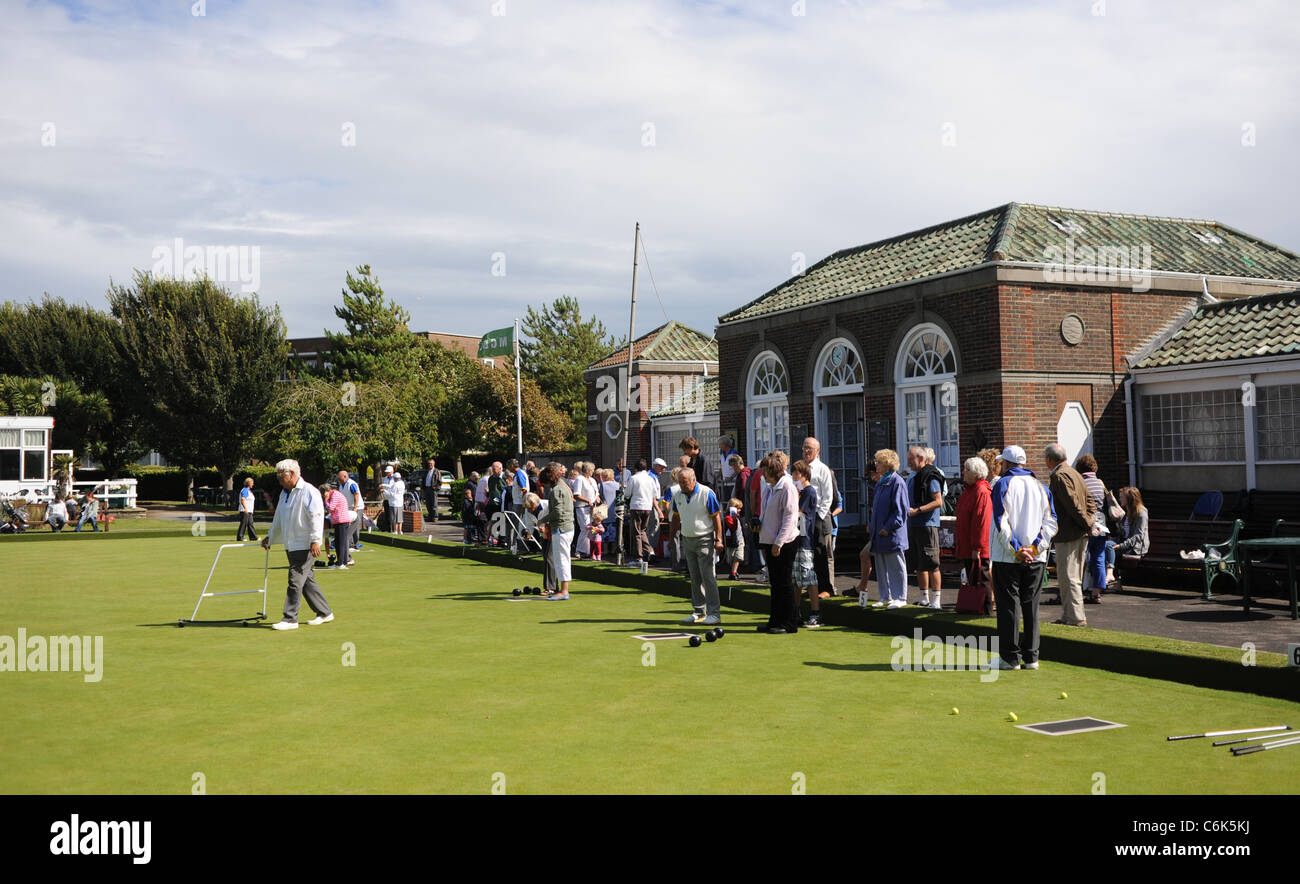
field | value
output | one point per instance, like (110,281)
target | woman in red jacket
(974,520)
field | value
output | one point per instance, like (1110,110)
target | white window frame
(769,402)
(931,384)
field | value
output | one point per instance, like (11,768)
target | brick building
(1217,400)
(1011,326)
(666,363)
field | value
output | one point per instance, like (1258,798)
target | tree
(478,412)
(377,343)
(329,425)
(78,416)
(76,345)
(563,345)
(201,366)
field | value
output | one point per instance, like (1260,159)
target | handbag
(1113,509)
(975,598)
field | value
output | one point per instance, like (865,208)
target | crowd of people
(778,520)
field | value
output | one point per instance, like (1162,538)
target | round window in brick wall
(1072,329)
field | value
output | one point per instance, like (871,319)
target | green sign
(497,343)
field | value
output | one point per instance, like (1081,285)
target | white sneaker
(285,624)
(693,620)
(1033,665)
(936,604)
(317,621)
(1003,664)
(897,603)
(880,604)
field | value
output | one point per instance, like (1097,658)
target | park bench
(1170,537)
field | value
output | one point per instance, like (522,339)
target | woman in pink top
(777,534)
(336,505)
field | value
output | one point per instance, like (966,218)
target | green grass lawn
(453,685)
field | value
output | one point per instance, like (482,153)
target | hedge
(170,483)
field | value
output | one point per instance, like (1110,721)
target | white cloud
(523,134)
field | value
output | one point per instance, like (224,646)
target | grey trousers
(698,552)
(302,582)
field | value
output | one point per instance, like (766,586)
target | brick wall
(995,328)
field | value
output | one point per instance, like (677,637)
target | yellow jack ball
(956,711)
(1012,715)
(1064,695)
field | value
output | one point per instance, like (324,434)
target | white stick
(1246,750)
(1272,736)
(1244,730)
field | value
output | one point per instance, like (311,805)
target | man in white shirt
(246,501)
(299,523)
(642,492)
(825,485)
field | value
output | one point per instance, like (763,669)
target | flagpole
(519,397)
(627,393)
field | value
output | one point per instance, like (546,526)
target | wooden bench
(1170,537)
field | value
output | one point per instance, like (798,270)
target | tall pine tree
(376,344)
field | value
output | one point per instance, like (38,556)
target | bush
(169,483)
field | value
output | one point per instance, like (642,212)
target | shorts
(735,554)
(923,548)
(804,572)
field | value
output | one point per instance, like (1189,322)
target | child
(468,515)
(733,539)
(596,530)
(805,575)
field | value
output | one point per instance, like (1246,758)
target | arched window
(839,369)
(767,406)
(926,396)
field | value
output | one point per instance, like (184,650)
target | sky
(486,156)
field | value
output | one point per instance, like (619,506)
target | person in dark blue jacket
(889,531)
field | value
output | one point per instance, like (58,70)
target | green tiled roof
(703,397)
(670,342)
(1243,328)
(1025,233)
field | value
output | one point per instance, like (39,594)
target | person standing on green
(557,526)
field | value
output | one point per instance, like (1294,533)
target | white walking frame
(266,567)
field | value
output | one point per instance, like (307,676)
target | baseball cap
(659,462)
(388,469)
(1013,454)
